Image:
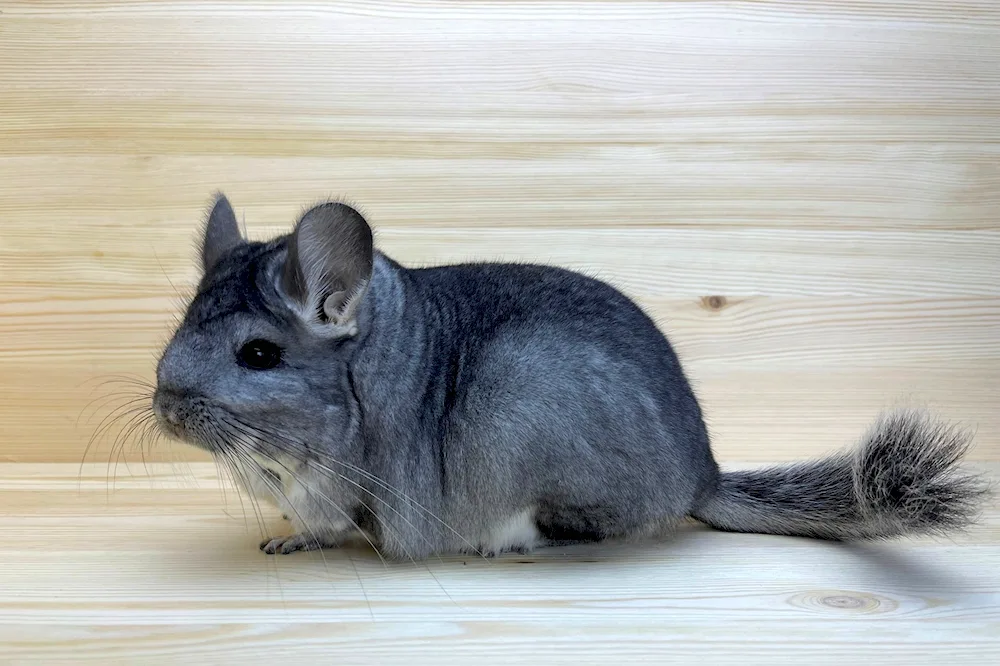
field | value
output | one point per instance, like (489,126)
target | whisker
(245,431)
(131,416)
(106,400)
(142,420)
(224,472)
(118,413)
(109,422)
(377,517)
(312,534)
(119,444)
(241,469)
(247,464)
(169,281)
(126,411)
(103,380)
(399,494)
(148,427)
(333,504)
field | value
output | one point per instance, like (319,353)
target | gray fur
(328,267)
(902,480)
(222,233)
(491,407)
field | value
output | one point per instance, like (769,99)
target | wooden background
(805,194)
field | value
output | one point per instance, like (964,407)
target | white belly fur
(292,493)
(516,533)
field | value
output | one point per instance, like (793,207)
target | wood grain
(160,567)
(806,196)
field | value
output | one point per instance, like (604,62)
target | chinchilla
(490,407)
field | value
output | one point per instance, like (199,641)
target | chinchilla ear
(328,268)
(222,233)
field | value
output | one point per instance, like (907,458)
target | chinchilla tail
(903,480)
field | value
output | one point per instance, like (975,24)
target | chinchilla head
(259,362)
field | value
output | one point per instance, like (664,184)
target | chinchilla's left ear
(329,266)
(222,233)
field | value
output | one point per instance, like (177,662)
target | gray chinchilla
(490,407)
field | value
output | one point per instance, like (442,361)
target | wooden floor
(158,565)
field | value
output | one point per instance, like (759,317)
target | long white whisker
(329,501)
(319,546)
(399,494)
(363,503)
(239,470)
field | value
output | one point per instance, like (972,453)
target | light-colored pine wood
(160,567)
(779,377)
(829,169)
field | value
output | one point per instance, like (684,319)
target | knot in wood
(713,302)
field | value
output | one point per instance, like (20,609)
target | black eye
(260,355)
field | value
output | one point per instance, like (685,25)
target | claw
(295,542)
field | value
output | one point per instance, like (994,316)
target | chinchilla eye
(259,355)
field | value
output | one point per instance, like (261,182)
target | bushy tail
(902,480)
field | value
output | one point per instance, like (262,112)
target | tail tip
(908,476)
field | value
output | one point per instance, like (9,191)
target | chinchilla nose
(165,407)
(181,370)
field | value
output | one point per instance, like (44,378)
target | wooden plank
(162,570)
(105,261)
(779,378)
(702,71)
(867,187)
(790,415)
(756,333)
